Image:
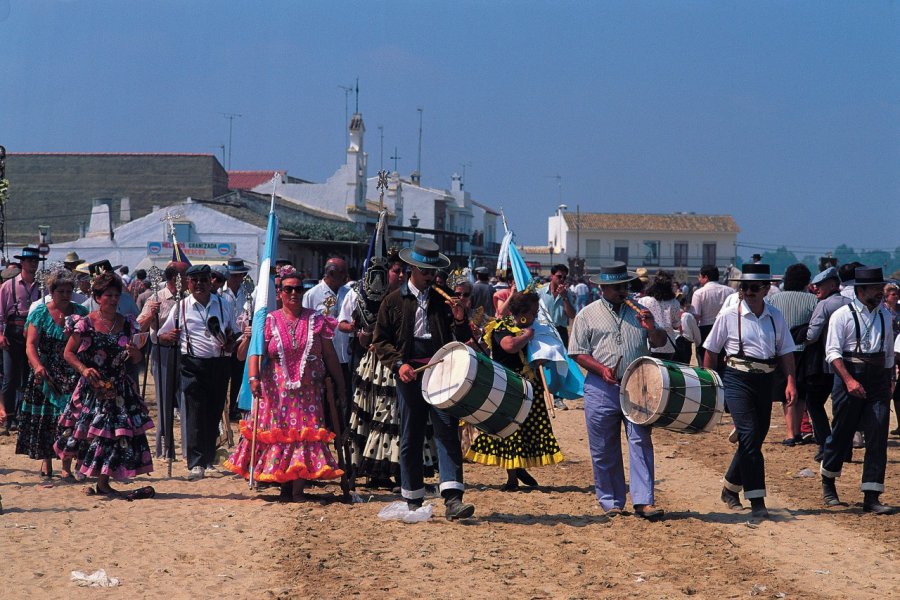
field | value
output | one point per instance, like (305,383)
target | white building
(676,242)
(207,235)
(459,224)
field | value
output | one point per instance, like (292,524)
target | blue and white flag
(263,303)
(564,377)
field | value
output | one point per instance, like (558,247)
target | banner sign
(201,250)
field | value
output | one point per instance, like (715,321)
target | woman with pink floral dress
(291,435)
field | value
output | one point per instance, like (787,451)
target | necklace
(109,324)
(618,319)
(293,331)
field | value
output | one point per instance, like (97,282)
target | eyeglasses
(463,294)
(753,287)
(292,289)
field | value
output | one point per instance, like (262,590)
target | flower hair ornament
(287,272)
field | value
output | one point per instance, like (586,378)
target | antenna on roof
(357,95)
(231,117)
(395,158)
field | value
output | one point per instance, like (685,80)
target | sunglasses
(753,287)
(462,294)
(292,289)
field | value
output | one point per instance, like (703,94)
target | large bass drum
(473,388)
(671,395)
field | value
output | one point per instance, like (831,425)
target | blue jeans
(871,415)
(749,398)
(604,419)
(414,412)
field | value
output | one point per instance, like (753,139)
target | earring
(523,320)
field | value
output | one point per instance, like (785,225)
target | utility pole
(231,117)
(347,89)
(419,158)
(381,156)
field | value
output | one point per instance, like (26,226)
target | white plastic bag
(96,579)
(398,511)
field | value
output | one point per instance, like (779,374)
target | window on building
(183,232)
(681,254)
(620,251)
(593,249)
(709,253)
(651,253)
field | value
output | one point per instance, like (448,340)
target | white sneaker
(195,474)
(213,470)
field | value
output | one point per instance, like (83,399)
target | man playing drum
(414,323)
(755,338)
(606,337)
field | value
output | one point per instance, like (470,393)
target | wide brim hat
(236,266)
(198,270)
(867,276)
(72,258)
(10,272)
(424,254)
(756,272)
(29,252)
(613,273)
(102,266)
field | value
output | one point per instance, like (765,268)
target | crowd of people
(338,382)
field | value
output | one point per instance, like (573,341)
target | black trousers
(235,379)
(204,382)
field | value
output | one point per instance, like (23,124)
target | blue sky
(785,115)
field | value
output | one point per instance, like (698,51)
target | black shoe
(731,499)
(871,504)
(819,456)
(807,438)
(457,509)
(510,486)
(758,508)
(526,478)
(789,442)
(413,505)
(895,431)
(829,492)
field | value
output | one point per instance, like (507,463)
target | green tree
(779,260)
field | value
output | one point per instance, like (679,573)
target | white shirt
(689,328)
(581,289)
(764,337)
(420,330)
(842,332)
(708,300)
(345,315)
(315,298)
(194,317)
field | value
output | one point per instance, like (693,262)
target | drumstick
(548,398)
(423,367)
(443,293)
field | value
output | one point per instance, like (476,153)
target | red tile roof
(649,222)
(247,180)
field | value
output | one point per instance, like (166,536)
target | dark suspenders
(856,326)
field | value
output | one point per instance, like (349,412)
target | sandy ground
(217,538)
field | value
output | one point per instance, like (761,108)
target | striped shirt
(596,330)
(708,300)
(795,307)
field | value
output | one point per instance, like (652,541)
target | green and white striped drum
(473,388)
(671,395)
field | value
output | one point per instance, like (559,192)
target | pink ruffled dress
(291,438)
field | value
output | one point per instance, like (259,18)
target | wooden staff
(548,397)
(255,420)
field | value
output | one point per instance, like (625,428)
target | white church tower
(357,161)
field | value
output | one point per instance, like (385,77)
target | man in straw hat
(860,350)
(72,260)
(16,296)
(755,338)
(606,337)
(413,323)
